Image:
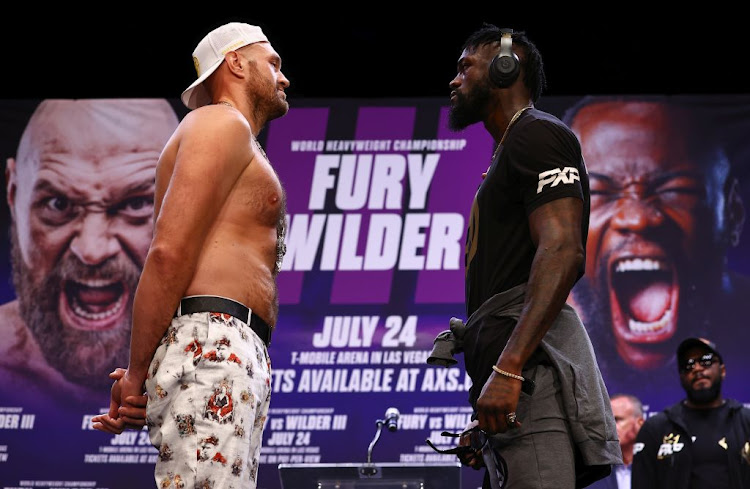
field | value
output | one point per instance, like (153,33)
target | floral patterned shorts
(209,388)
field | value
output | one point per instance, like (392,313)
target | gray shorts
(540,454)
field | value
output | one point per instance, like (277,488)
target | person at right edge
(525,249)
(207,299)
(701,442)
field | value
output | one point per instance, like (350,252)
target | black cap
(697,342)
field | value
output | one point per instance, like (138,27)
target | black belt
(212,303)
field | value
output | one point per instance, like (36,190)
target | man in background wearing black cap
(702,441)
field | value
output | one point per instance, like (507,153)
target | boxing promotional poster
(378,198)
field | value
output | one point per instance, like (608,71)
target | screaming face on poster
(666,208)
(80,192)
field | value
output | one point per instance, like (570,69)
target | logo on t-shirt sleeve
(553,178)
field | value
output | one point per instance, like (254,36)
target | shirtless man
(207,299)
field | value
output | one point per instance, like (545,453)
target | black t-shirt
(540,161)
(709,429)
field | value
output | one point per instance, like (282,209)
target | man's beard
(703,396)
(267,104)
(470,108)
(82,356)
(278,109)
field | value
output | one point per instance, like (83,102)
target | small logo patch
(554,177)
(670,444)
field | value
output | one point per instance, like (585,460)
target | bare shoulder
(212,120)
(214,135)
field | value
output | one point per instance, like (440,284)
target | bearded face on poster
(81,195)
(665,211)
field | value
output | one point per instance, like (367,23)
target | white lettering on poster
(124,451)
(337,145)
(17,421)
(373,182)
(393,241)
(359,331)
(346,331)
(376,379)
(412,421)
(444,380)
(346,380)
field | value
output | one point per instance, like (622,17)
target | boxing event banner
(378,197)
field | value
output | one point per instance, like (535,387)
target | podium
(371,476)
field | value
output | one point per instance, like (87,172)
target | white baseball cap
(210,52)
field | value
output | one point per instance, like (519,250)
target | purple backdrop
(378,197)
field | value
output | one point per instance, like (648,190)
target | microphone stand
(370,469)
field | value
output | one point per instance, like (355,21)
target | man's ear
(10,185)
(234,62)
(734,212)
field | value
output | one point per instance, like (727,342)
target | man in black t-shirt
(536,388)
(702,441)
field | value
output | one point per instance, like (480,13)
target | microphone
(391,418)
(391,421)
